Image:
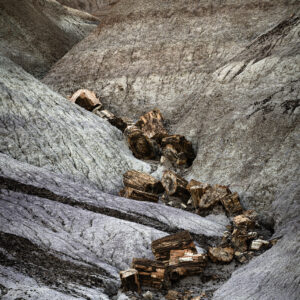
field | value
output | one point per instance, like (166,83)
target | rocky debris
(148,295)
(175,185)
(130,280)
(86,99)
(134,194)
(205,197)
(179,241)
(141,146)
(259,244)
(142,181)
(118,122)
(176,257)
(220,254)
(151,273)
(152,124)
(180,149)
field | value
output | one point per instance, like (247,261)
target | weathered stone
(243,223)
(175,185)
(86,99)
(142,181)
(139,195)
(179,241)
(141,146)
(182,150)
(111,118)
(152,125)
(259,244)
(130,280)
(220,254)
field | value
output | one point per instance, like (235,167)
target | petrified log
(111,118)
(220,254)
(182,146)
(142,181)
(152,124)
(175,158)
(179,241)
(239,240)
(243,222)
(197,189)
(130,280)
(175,185)
(141,146)
(134,194)
(232,204)
(86,99)
(151,273)
(184,263)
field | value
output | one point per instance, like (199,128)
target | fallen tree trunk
(183,240)
(151,273)
(134,194)
(142,182)
(175,185)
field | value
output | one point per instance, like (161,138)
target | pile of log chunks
(176,257)
(149,139)
(141,186)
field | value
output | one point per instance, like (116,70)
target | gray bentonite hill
(223,74)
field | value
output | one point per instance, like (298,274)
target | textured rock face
(42,128)
(228,81)
(35,34)
(67,234)
(91,6)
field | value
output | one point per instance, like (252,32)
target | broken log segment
(134,194)
(141,146)
(181,145)
(86,99)
(185,263)
(197,189)
(179,241)
(142,182)
(151,273)
(130,280)
(175,185)
(152,124)
(220,254)
(111,118)
(232,204)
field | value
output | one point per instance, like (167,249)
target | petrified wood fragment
(175,185)
(134,194)
(197,189)
(142,181)
(141,146)
(239,239)
(86,99)
(232,203)
(111,118)
(151,273)
(182,146)
(220,254)
(152,124)
(259,244)
(182,240)
(242,222)
(130,280)
(184,263)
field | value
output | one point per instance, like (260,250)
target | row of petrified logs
(176,257)
(147,138)
(144,187)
